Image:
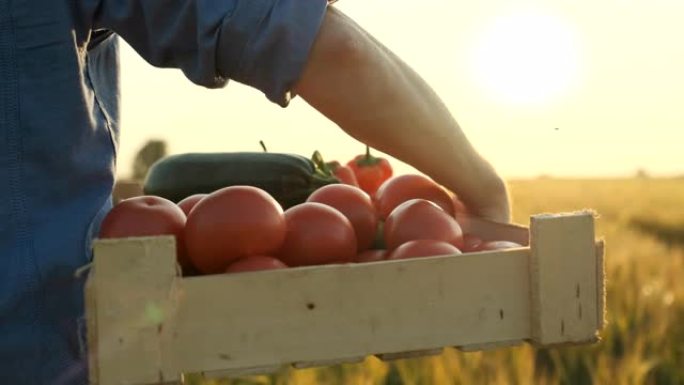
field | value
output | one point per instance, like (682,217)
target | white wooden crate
(148,325)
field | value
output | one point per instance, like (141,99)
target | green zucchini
(289,178)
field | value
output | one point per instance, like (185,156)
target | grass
(642,221)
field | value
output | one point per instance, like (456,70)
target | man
(59,127)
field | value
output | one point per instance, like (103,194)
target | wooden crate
(149,325)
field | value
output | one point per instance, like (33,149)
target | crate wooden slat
(150,325)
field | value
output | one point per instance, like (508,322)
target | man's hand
(376,98)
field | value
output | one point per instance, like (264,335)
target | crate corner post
(131,296)
(566,279)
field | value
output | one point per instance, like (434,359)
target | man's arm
(376,98)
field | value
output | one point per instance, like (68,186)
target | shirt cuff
(265,44)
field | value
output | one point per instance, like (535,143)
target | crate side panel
(333,312)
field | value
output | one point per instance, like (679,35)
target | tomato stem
(367,159)
(263,145)
(318,161)
(323,173)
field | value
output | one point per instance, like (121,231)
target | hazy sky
(564,88)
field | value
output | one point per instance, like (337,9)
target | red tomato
(421,219)
(343,173)
(231,223)
(472,243)
(317,234)
(370,171)
(354,204)
(423,248)
(499,245)
(401,188)
(147,215)
(255,263)
(371,255)
(189,203)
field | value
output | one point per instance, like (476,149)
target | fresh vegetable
(232,223)
(421,219)
(317,234)
(354,204)
(423,248)
(370,171)
(147,216)
(255,263)
(189,203)
(334,169)
(402,188)
(288,178)
(343,173)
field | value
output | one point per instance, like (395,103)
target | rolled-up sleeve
(261,43)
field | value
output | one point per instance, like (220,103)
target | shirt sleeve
(261,43)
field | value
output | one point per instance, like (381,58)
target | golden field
(642,221)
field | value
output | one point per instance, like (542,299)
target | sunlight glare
(527,57)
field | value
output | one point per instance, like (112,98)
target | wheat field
(642,222)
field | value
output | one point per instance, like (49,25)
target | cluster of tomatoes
(374,216)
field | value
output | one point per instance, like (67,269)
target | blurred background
(564,88)
(577,103)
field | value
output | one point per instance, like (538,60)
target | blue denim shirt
(59,125)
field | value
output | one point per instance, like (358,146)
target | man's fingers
(496,214)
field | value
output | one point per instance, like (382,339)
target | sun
(527,57)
